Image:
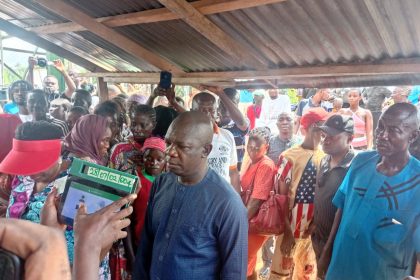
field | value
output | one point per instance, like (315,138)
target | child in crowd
(127,155)
(153,165)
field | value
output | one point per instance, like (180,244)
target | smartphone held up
(165,79)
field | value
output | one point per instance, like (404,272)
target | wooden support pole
(103,89)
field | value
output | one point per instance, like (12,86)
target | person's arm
(253,207)
(369,129)
(417,270)
(170,94)
(236,115)
(297,125)
(232,238)
(30,75)
(262,186)
(297,117)
(284,177)
(42,248)
(325,258)
(233,165)
(129,246)
(288,242)
(234,178)
(152,97)
(71,86)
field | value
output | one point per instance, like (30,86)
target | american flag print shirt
(303,209)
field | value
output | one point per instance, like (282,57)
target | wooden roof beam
(390,67)
(67,11)
(177,81)
(213,33)
(205,7)
(34,39)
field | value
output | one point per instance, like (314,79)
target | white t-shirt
(25,118)
(270,111)
(223,154)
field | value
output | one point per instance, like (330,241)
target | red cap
(29,157)
(154,143)
(312,116)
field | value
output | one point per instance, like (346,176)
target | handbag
(270,219)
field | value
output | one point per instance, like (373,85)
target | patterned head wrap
(263,132)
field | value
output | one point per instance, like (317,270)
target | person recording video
(50,82)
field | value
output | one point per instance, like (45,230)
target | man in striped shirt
(38,108)
(296,177)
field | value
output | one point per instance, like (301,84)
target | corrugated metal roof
(105,8)
(178,42)
(102,44)
(286,34)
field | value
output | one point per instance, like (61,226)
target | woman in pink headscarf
(8,124)
(89,139)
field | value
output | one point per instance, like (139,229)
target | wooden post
(103,89)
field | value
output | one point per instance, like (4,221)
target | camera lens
(42,62)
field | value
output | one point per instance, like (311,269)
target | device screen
(93,198)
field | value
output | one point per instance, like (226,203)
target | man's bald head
(194,124)
(405,112)
(203,97)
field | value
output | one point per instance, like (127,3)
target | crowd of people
(347,171)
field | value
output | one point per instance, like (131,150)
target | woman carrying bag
(257,183)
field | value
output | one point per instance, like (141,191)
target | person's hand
(97,232)
(214,89)
(58,64)
(43,249)
(49,212)
(32,61)
(158,91)
(170,94)
(287,244)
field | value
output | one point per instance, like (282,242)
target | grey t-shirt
(277,146)
(375,99)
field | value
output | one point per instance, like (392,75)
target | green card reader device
(94,185)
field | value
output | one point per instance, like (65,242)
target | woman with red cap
(35,158)
(8,124)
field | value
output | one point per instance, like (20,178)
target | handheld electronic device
(165,79)
(94,185)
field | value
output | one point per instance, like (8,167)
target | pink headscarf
(8,124)
(85,136)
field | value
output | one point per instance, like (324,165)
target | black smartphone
(11,266)
(165,79)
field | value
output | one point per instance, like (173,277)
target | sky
(14,58)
